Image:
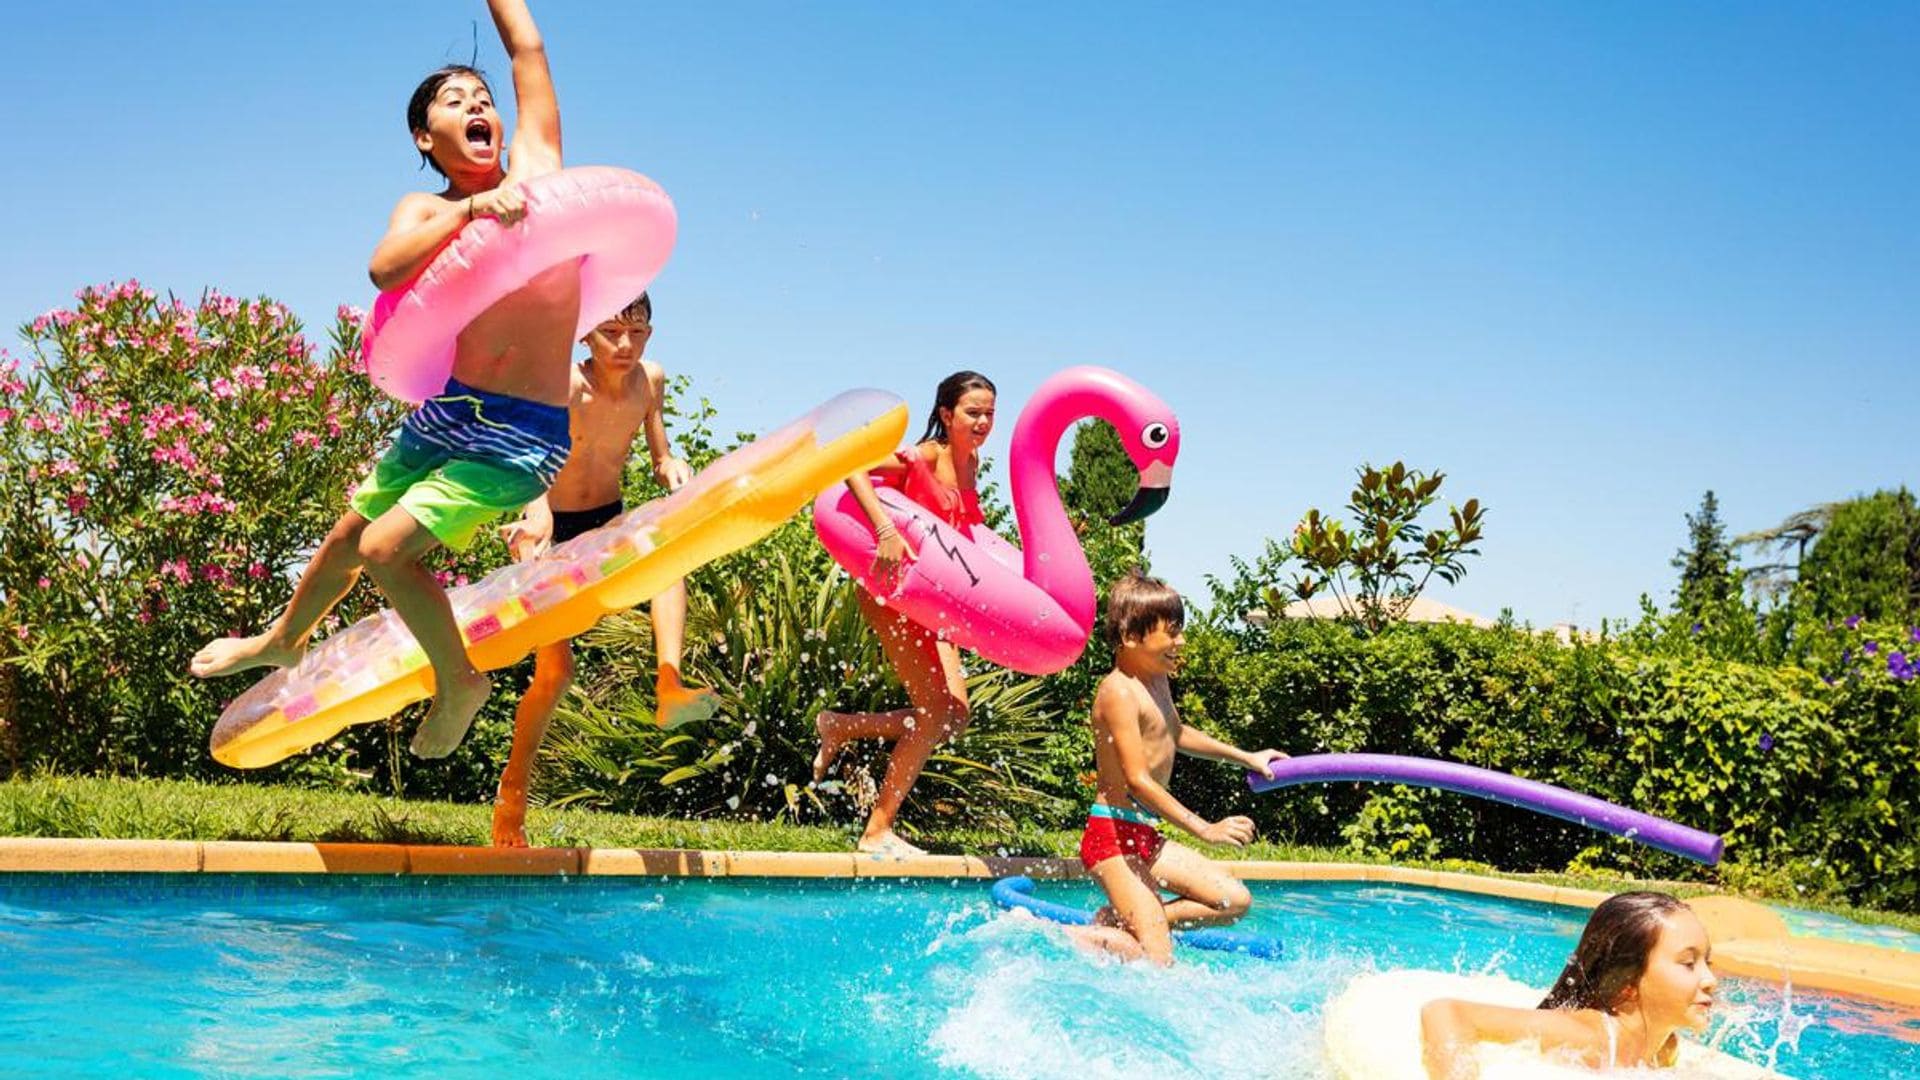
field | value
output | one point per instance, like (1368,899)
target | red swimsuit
(958,507)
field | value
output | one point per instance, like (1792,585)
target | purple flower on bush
(1870,647)
(1846,656)
(1828,679)
(1913,634)
(1696,629)
(1853,622)
(1900,667)
(1766,742)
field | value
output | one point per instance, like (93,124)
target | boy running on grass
(615,395)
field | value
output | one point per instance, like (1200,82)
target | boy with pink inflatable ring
(494,438)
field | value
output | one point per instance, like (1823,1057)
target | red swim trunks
(1114,830)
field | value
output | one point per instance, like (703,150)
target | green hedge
(1811,779)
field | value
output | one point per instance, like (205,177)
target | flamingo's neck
(1053,558)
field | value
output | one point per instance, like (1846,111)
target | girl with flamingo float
(934,579)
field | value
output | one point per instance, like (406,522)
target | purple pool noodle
(1703,847)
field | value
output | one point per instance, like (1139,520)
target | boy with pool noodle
(1136,733)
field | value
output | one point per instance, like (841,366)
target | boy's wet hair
(1137,604)
(639,310)
(423,96)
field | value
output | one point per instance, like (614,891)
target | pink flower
(350,314)
(306,440)
(216,574)
(63,467)
(5,415)
(77,501)
(46,583)
(256,570)
(222,389)
(263,423)
(20,632)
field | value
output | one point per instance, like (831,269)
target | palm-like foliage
(776,632)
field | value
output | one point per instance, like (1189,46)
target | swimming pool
(203,975)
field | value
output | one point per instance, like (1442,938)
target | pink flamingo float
(1029,608)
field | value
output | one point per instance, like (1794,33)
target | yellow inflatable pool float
(374,667)
(1373,1033)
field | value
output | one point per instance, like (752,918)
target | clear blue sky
(1590,260)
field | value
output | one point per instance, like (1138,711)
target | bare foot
(888,845)
(452,714)
(1110,940)
(224,656)
(830,744)
(510,819)
(676,705)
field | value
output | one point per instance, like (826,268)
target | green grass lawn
(186,810)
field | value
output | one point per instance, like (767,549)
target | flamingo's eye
(1155,435)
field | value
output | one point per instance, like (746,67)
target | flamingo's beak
(1145,501)
(1156,482)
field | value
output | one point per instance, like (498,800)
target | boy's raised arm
(536,129)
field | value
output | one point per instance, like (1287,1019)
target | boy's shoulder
(1117,691)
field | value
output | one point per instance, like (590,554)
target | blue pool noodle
(1017,893)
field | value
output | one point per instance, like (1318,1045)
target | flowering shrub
(166,470)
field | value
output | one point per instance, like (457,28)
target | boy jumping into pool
(495,438)
(615,395)
(1136,731)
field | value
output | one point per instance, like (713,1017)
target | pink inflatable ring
(619,224)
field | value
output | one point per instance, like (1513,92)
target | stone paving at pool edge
(1749,939)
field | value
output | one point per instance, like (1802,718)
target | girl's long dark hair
(1613,949)
(951,390)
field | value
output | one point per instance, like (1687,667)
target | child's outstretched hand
(504,203)
(673,473)
(1259,760)
(1234,831)
(527,539)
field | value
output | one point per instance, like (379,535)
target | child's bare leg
(939,713)
(326,579)
(1112,940)
(1208,895)
(1135,902)
(930,670)
(837,729)
(675,703)
(552,673)
(392,547)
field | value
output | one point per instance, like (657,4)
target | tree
(1867,560)
(1372,578)
(1706,563)
(1100,481)
(1775,579)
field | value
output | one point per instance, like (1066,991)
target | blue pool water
(257,976)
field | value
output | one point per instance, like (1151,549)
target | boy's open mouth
(479,133)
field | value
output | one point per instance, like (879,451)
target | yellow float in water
(374,667)
(1373,1033)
